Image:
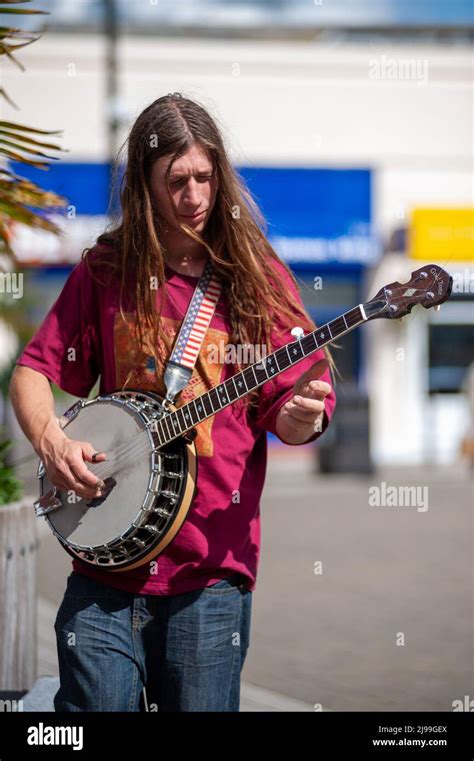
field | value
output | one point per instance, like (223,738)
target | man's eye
(201,178)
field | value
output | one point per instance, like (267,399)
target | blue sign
(85,185)
(314,215)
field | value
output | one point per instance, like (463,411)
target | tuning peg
(437,307)
(297,332)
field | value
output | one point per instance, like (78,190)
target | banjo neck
(182,419)
(428,287)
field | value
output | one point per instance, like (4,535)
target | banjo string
(119,457)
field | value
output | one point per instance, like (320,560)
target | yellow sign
(442,235)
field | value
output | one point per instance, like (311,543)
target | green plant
(10,487)
(21,201)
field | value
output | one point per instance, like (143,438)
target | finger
(66,481)
(79,491)
(301,417)
(93,455)
(90,453)
(294,424)
(316,389)
(302,414)
(315,406)
(83,474)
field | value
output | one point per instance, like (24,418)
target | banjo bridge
(110,483)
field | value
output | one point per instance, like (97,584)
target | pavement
(253,699)
(357,607)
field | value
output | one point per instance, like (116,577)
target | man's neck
(187,263)
(183,254)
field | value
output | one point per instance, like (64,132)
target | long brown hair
(235,235)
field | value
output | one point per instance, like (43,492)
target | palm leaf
(14,31)
(30,140)
(26,216)
(6,49)
(24,11)
(24,148)
(12,125)
(29,194)
(18,157)
(5,95)
(22,201)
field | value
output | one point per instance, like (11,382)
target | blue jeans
(187,650)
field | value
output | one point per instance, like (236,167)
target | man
(182,632)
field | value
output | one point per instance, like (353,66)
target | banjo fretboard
(174,424)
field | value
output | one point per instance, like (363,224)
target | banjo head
(141,509)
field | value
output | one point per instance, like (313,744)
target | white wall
(396,362)
(407,426)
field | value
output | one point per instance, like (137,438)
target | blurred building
(343,124)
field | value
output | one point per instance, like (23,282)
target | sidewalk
(253,699)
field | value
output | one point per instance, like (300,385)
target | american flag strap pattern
(197,319)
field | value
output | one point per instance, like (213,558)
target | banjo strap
(201,308)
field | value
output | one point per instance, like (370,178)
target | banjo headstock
(428,287)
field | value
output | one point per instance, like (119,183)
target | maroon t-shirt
(221,534)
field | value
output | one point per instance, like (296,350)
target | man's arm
(33,402)
(63,458)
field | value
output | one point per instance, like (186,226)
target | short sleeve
(275,393)
(65,347)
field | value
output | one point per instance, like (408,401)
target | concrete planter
(18,600)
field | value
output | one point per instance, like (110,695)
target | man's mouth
(193,216)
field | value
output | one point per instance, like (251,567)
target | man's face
(192,186)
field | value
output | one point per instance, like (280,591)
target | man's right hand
(64,461)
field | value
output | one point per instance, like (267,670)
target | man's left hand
(303,414)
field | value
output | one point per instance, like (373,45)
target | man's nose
(192,196)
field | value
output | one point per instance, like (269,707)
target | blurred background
(351,122)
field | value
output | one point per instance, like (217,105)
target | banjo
(150,473)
